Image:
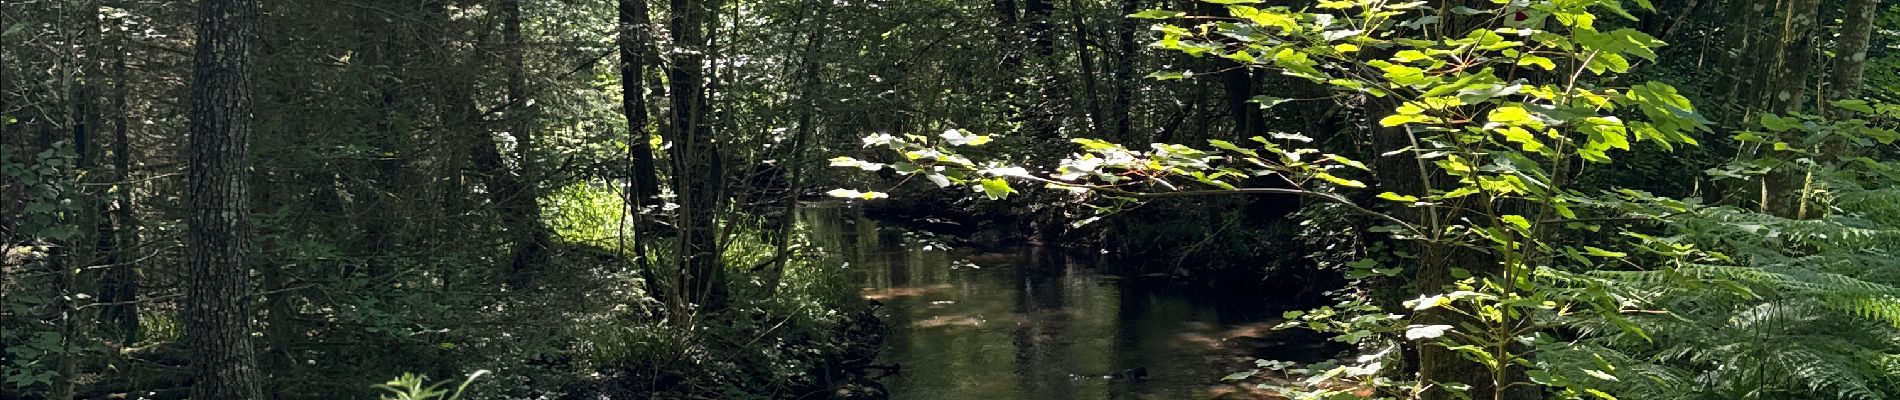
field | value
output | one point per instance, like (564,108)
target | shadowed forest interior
(950,199)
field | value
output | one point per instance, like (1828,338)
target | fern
(1763,307)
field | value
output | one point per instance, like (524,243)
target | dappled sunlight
(950,321)
(903,292)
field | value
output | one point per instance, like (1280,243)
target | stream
(1028,322)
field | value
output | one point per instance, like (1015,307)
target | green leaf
(855,163)
(996,188)
(1776,123)
(1518,221)
(1339,181)
(1599,394)
(1269,101)
(1297,64)
(1342,160)
(1514,116)
(1406,56)
(1595,251)
(1539,61)
(1403,74)
(1400,119)
(1855,105)
(1398,197)
(1170,75)
(1157,14)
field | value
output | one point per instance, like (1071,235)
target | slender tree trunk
(1236,86)
(1087,75)
(795,158)
(217,284)
(120,284)
(1785,91)
(1688,8)
(521,208)
(80,73)
(643,179)
(696,169)
(1850,51)
(635,37)
(1050,99)
(1406,173)
(1746,17)
(1125,70)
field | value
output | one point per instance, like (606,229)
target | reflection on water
(1033,324)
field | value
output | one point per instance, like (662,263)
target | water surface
(1028,322)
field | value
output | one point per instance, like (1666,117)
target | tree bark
(521,209)
(217,301)
(1049,98)
(1787,86)
(1087,76)
(1850,51)
(1125,70)
(119,283)
(635,35)
(1746,16)
(80,73)
(1236,87)
(1785,91)
(643,178)
(696,168)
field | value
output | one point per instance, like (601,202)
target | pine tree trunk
(1236,87)
(120,285)
(217,284)
(81,71)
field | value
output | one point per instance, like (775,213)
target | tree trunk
(1087,75)
(1125,70)
(1794,58)
(80,74)
(643,178)
(1049,99)
(1236,87)
(1850,51)
(1746,17)
(120,284)
(1785,91)
(696,167)
(1405,173)
(521,208)
(795,158)
(217,284)
(635,36)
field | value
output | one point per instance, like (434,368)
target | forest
(950,199)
